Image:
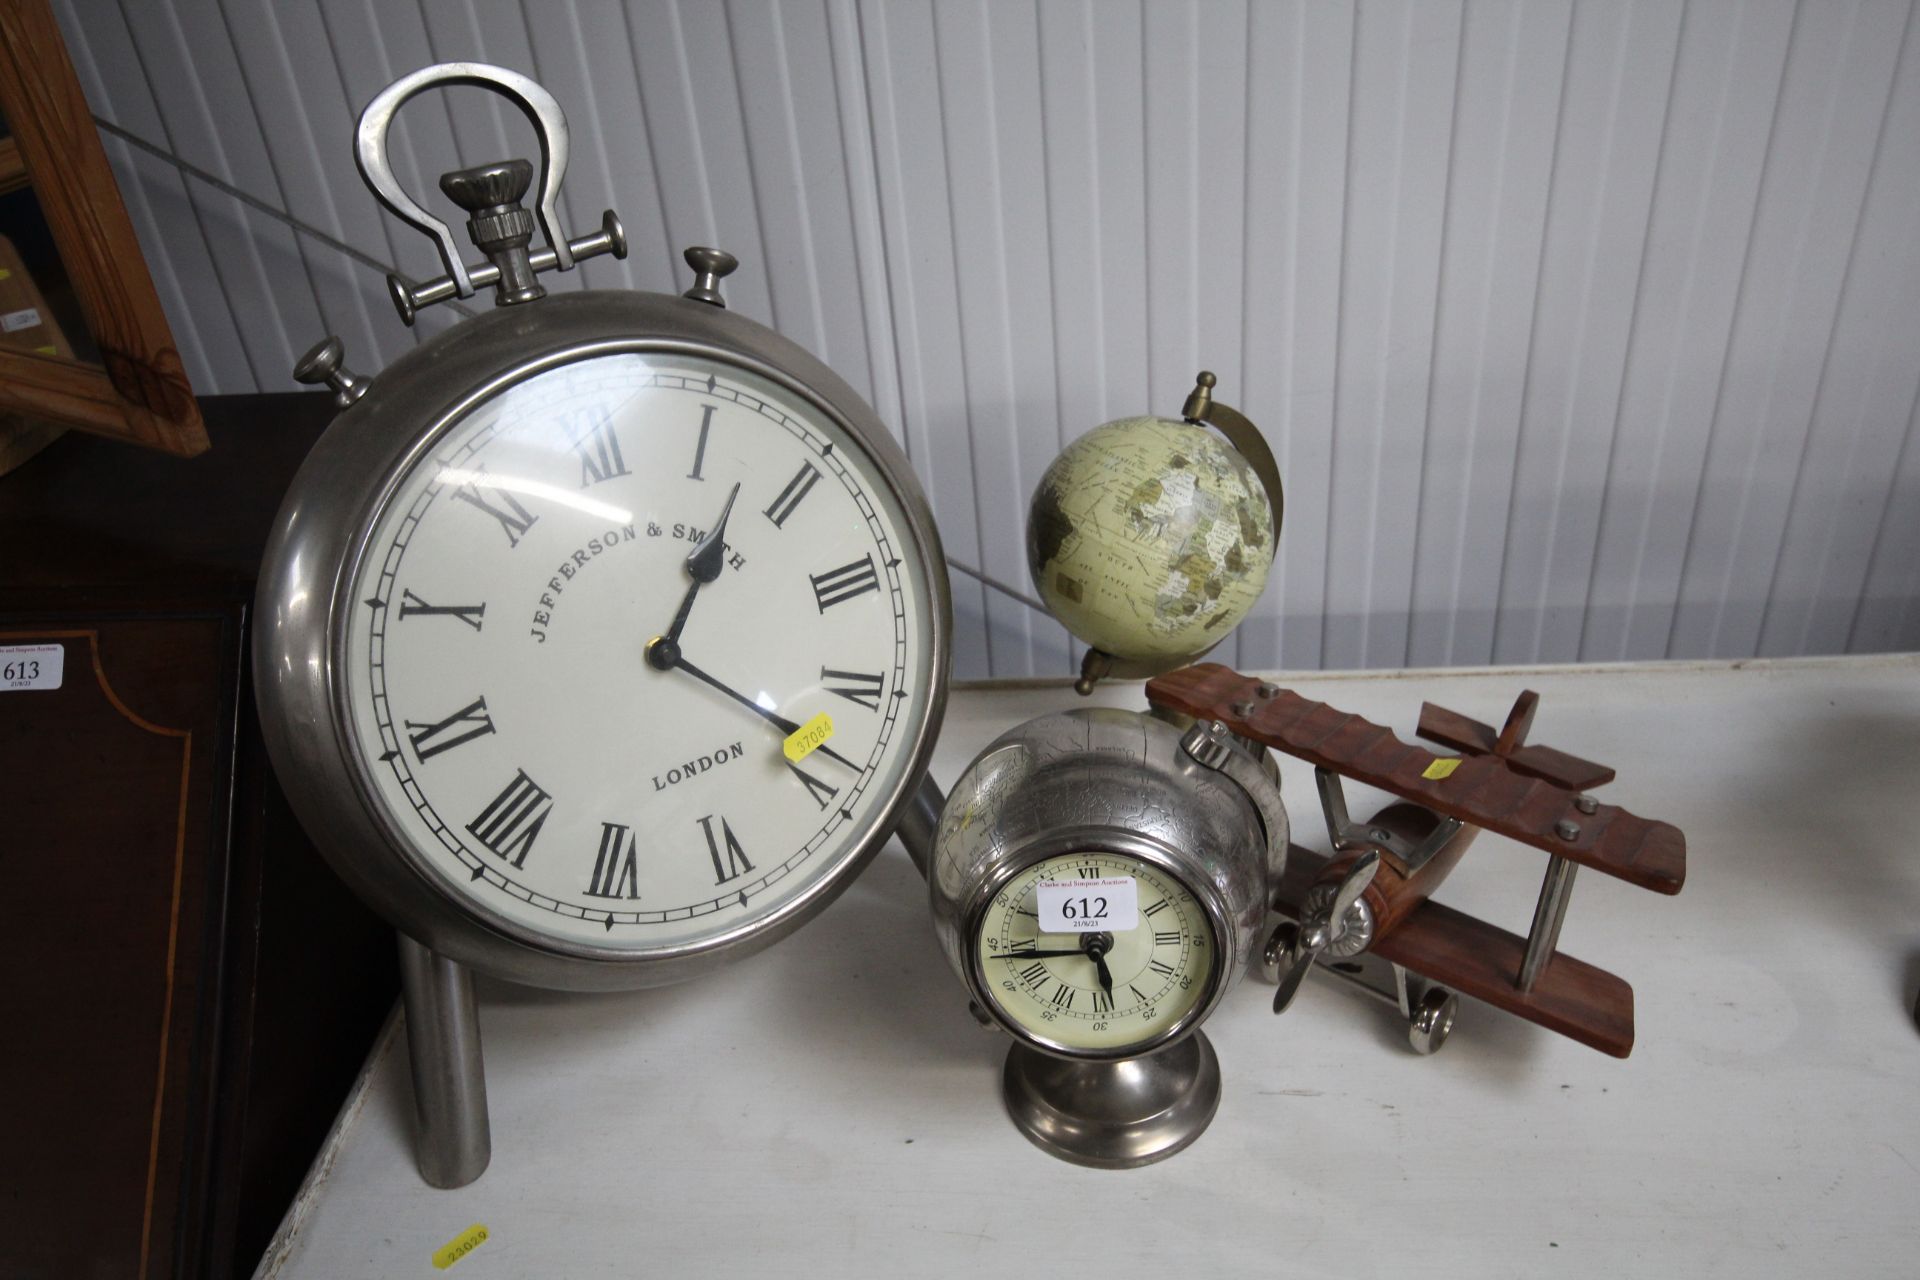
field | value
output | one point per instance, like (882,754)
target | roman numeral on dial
(514,519)
(803,480)
(430,738)
(700,449)
(1166,939)
(1102,1002)
(822,793)
(837,586)
(854,686)
(597,445)
(511,822)
(735,862)
(1063,998)
(412,606)
(1155,909)
(1035,972)
(614,874)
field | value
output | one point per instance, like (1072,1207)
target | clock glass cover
(1142,987)
(510,728)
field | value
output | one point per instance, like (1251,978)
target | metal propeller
(1323,929)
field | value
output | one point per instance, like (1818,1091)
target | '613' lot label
(31,666)
(1110,904)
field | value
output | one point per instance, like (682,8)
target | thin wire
(254,202)
(1001,587)
(280,215)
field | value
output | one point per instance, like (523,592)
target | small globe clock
(1099,881)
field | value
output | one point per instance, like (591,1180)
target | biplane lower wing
(1482,790)
(1474,958)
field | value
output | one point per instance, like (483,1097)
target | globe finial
(1201,398)
(1093,668)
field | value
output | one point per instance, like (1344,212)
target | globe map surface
(1149,538)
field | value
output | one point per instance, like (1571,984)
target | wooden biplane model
(1372,897)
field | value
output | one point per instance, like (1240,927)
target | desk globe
(1150,538)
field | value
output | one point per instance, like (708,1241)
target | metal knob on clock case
(321,366)
(710,267)
(499,226)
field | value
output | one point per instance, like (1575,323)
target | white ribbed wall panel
(1582,330)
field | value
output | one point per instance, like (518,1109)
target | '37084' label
(1110,904)
(31,666)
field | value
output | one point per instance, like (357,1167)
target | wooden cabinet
(188,990)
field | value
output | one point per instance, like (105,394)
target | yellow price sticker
(460,1246)
(1442,767)
(808,738)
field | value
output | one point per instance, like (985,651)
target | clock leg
(452,1139)
(920,821)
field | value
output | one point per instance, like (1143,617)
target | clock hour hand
(704,563)
(1096,948)
(665,654)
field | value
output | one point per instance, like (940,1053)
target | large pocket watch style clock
(1099,881)
(602,639)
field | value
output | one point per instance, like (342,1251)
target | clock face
(509,724)
(1049,985)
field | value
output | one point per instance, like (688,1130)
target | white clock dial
(506,716)
(1051,985)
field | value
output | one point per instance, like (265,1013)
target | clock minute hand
(1039,955)
(663,650)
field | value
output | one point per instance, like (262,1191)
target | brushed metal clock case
(321,533)
(391,425)
(1195,805)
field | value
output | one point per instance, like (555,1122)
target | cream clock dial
(575,715)
(1101,991)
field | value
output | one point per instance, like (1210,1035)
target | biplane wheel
(1279,947)
(1432,1021)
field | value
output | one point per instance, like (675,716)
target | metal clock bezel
(322,536)
(1109,840)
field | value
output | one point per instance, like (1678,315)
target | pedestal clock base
(1114,1115)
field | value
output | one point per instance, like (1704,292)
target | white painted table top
(828,1107)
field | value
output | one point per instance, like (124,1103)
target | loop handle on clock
(543,112)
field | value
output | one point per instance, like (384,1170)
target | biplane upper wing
(1451,729)
(1477,959)
(1486,791)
